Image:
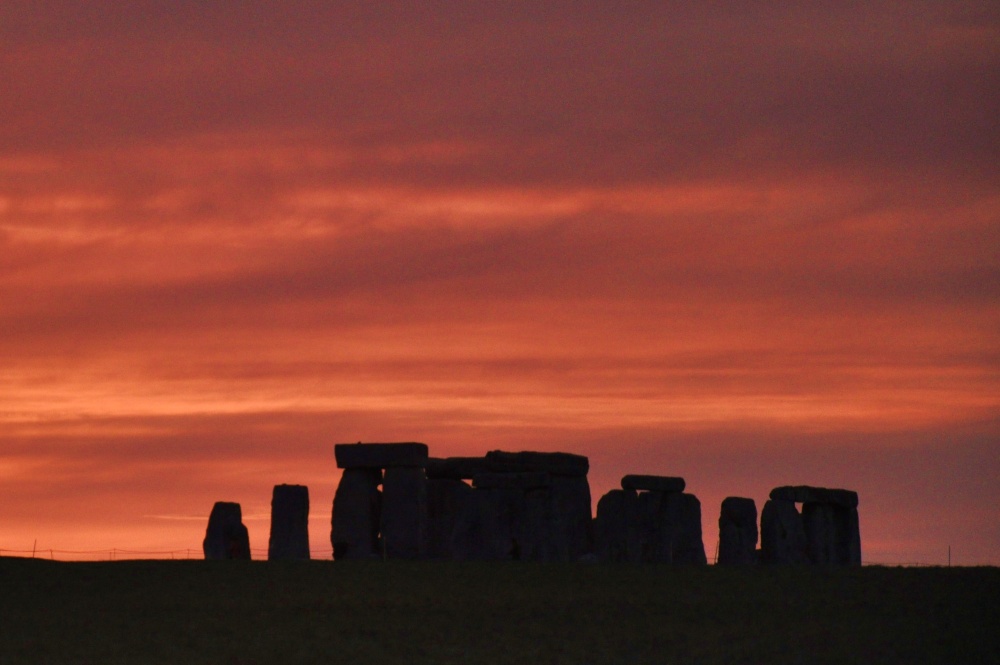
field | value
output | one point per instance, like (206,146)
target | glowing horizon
(748,247)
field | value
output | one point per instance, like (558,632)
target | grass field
(323,612)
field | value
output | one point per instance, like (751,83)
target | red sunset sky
(752,244)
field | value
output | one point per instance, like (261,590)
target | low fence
(121,554)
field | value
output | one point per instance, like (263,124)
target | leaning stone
(446,499)
(356,514)
(289,523)
(226,536)
(525,480)
(379,455)
(806,494)
(782,534)
(737,531)
(653,483)
(404,513)
(558,464)
(456,468)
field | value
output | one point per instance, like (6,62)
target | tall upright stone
(289,537)
(738,531)
(356,515)
(688,545)
(446,499)
(226,537)
(616,528)
(570,530)
(404,512)
(782,534)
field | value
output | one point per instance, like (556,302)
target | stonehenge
(394,501)
(226,536)
(289,523)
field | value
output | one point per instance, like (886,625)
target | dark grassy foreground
(239,612)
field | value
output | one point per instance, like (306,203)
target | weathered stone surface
(226,537)
(446,499)
(523,480)
(653,483)
(806,494)
(380,455)
(404,513)
(289,537)
(738,531)
(558,464)
(356,515)
(616,528)
(456,468)
(782,534)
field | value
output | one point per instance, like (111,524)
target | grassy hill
(325,612)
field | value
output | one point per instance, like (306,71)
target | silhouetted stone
(487,527)
(653,483)
(356,515)
(831,533)
(456,468)
(523,480)
(782,535)
(289,523)
(688,545)
(379,455)
(616,528)
(446,499)
(404,513)
(226,537)
(558,464)
(806,494)
(570,530)
(738,531)
(670,528)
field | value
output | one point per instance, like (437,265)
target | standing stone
(445,501)
(226,536)
(487,529)
(738,531)
(617,527)
(356,513)
(289,523)
(570,531)
(688,546)
(782,534)
(404,513)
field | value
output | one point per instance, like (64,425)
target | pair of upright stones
(523,505)
(825,532)
(650,520)
(227,537)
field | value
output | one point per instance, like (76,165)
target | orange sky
(749,247)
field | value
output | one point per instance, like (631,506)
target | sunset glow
(749,247)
